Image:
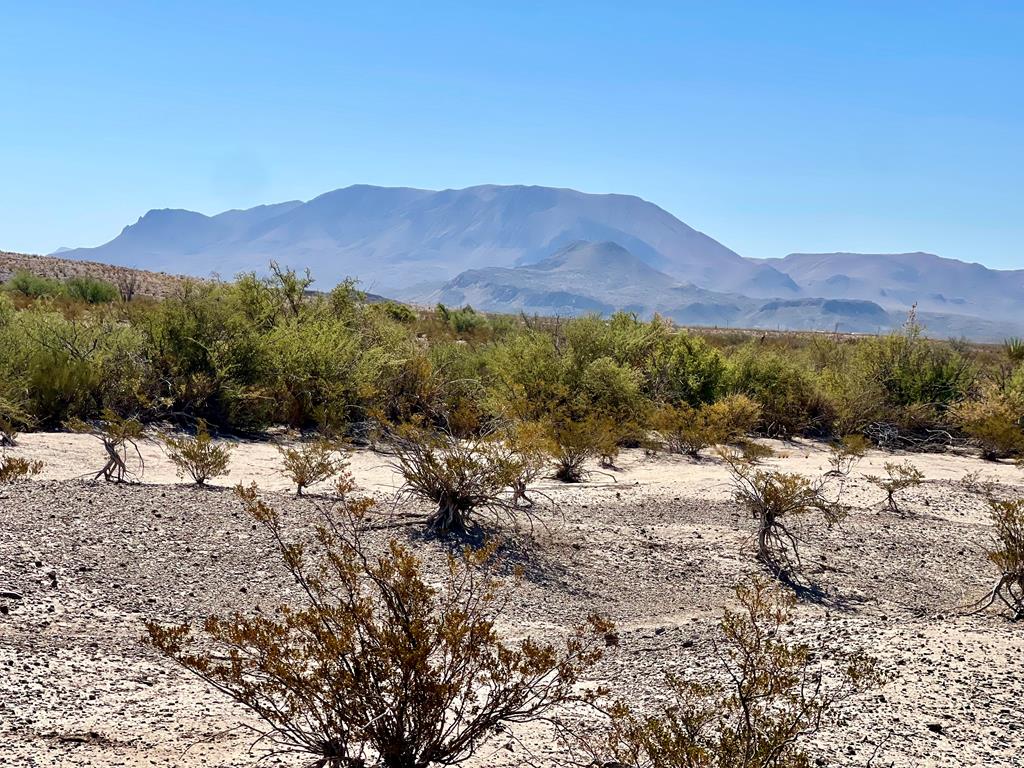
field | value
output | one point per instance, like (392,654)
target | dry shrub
(459,476)
(528,453)
(379,665)
(899,477)
(753,451)
(314,462)
(993,423)
(774,499)
(119,437)
(778,694)
(689,430)
(847,453)
(197,457)
(14,468)
(1007,554)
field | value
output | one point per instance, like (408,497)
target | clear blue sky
(773,127)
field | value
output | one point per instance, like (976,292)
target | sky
(773,127)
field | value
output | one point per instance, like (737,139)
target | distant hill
(153,284)
(395,237)
(897,280)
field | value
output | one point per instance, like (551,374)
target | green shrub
(995,423)
(791,401)
(316,461)
(91,290)
(34,286)
(197,457)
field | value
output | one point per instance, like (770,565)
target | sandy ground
(657,549)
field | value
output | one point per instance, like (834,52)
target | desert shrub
(459,476)
(994,423)
(686,429)
(399,312)
(198,457)
(775,500)
(381,665)
(525,377)
(461,321)
(315,461)
(752,451)
(33,286)
(91,290)
(575,442)
(13,468)
(1014,349)
(1007,555)
(776,695)
(791,401)
(312,366)
(611,390)
(683,369)
(913,371)
(690,430)
(898,478)
(528,454)
(119,437)
(846,453)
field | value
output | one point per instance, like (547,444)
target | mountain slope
(897,280)
(396,237)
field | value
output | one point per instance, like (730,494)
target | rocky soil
(658,550)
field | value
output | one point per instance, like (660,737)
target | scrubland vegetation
(247,355)
(378,664)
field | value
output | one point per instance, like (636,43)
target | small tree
(119,437)
(199,457)
(846,454)
(778,693)
(773,500)
(899,477)
(1007,554)
(13,468)
(459,476)
(314,462)
(381,667)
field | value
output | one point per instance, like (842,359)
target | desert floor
(657,548)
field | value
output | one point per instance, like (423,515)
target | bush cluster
(261,351)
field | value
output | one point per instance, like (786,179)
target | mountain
(604,277)
(587,277)
(392,238)
(897,280)
(559,251)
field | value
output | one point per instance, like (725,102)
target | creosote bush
(13,468)
(198,457)
(776,500)
(574,443)
(773,696)
(690,430)
(1007,555)
(995,423)
(119,437)
(458,476)
(312,462)
(898,478)
(846,454)
(380,666)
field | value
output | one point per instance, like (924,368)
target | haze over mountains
(559,251)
